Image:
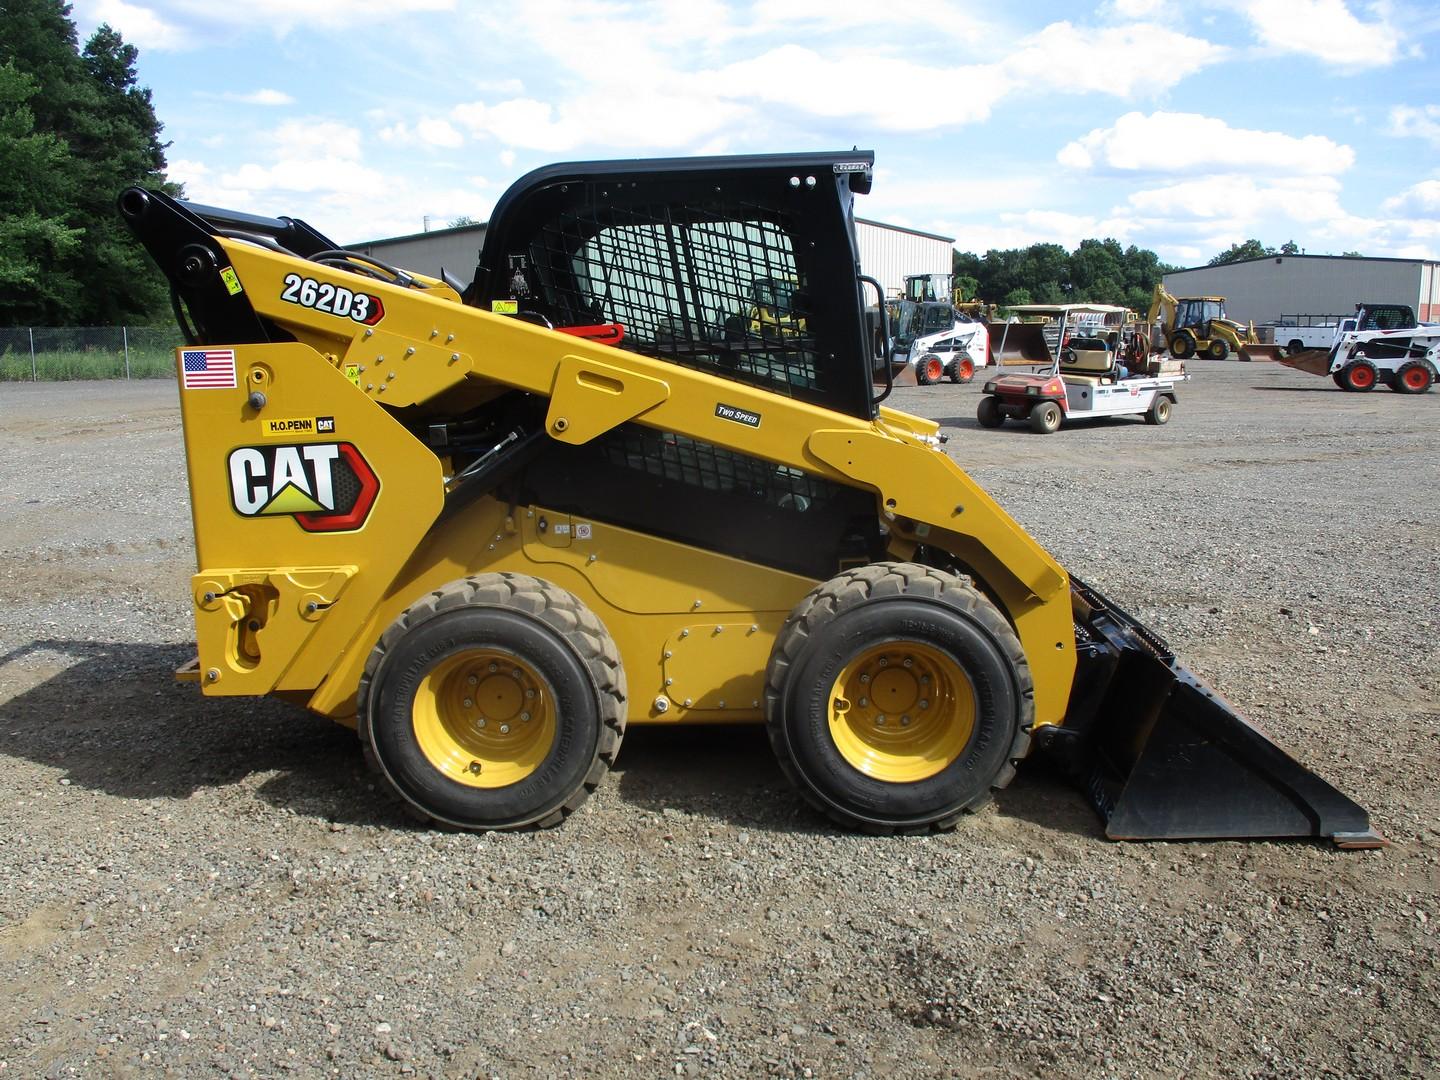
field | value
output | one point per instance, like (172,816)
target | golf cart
(1086,377)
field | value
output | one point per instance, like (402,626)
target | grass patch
(70,364)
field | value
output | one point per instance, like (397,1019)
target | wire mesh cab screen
(740,267)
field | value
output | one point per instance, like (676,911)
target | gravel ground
(218,888)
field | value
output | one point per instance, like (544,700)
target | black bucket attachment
(1164,757)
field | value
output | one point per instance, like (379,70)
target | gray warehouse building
(887,252)
(1269,289)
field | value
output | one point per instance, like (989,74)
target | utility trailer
(491,526)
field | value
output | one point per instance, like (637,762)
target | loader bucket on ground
(1018,343)
(1314,361)
(1164,757)
(1262,352)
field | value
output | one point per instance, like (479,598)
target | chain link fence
(57,353)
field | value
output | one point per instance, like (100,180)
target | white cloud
(140,24)
(178,24)
(1329,31)
(1421,198)
(1074,59)
(1165,142)
(1422,123)
(261,97)
(426,132)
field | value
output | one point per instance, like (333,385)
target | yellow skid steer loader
(492,525)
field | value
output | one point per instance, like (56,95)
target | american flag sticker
(208,369)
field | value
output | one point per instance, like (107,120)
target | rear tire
(1182,345)
(1159,411)
(1294,347)
(495,702)
(948,700)
(988,413)
(1413,377)
(1358,376)
(1217,349)
(960,371)
(1045,418)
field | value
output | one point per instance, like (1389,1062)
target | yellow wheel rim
(484,718)
(901,712)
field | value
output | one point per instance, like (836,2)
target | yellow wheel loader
(492,526)
(1197,326)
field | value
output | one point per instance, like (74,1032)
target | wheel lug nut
(469,703)
(472,680)
(924,704)
(880,721)
(908,661)
(884,661)
(480,722)
(494,667)
(864,678)
(529,693)
(525,717)
(475,767)
(924,680)
(515,673)
(504,729)
(905,721)
(864,701)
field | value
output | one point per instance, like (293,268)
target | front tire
(1045,418)
(496,702)
(988,413)
(1218,349)
(929,369)
(1358,376)
(898,698)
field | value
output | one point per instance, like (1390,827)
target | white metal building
(887,252)
(1268,289)
(454,250)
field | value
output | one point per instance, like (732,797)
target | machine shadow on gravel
(114,720)
(730,774)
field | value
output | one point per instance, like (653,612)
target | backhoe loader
(492,525)
(1197,326)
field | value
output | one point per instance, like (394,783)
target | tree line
(75,129)
(1096,272)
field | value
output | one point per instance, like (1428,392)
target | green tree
(89,101)
(1017,296)
(1290,248)
(1250,249)
(462,220)
(32,236)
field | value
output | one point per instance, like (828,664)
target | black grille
(684,461)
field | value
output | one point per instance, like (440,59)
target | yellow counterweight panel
(650,593)
(255,475)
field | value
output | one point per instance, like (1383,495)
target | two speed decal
(333,299)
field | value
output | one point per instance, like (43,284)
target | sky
(1179,127)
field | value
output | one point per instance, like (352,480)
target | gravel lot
(218,888)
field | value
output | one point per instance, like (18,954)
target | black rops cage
(743,267)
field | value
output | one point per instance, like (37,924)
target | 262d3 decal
(325,487)
(333,299)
